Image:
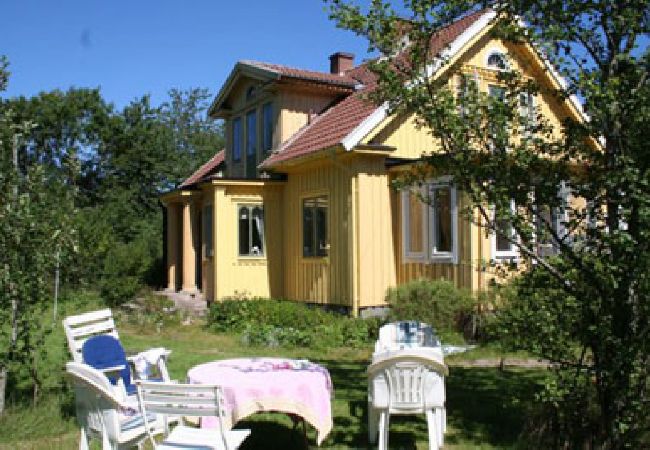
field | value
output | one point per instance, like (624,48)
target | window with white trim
(315,241)
(497,128)
(551,222)
(431,226)
(504,241)
(250,220)
(527,113)
(207,231)
(497,60)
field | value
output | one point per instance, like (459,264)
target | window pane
(244,231)
(497,61)
(415,221)
(502,243)
(442,216)
(258,231)
(497,92)
(207,229)
(321,226)
(251,132)
(267,126)
(308,227)
(236,139)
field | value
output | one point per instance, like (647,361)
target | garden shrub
(290,324)
(436,302)
(152,312)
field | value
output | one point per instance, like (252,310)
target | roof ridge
(271,65)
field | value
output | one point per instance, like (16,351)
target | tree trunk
(3,385)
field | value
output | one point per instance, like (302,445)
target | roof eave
(241,68)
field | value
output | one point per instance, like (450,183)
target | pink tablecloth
(254,385)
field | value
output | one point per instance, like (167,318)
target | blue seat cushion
(104,351)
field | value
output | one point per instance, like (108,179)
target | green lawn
(486,407)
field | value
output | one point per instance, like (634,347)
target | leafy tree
(583,303)
(35,224)
(67,136)
(196,137)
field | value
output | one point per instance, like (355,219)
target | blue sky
(131,48)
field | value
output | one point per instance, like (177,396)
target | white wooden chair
(189,400)
(103,414)
(406,385)
(81,327)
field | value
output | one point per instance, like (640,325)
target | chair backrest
(406,385)
(96,403)
(411,383)
(83,326)
(178,399)
(104,351)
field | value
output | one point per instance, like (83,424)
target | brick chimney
(341,62)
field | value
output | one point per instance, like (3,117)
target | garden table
(252,385)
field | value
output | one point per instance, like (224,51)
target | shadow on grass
(485,405)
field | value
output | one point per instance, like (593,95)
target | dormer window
(267,127)
(236,139)
(497,61)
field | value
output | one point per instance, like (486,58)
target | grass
(486,407)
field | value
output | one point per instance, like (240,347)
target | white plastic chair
(189,400)
(81,327)
(103,414)
(406,385)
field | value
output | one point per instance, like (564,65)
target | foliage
(152,312)
(436,302)
(285,323)
(35,234)
(593,294)
(127,266)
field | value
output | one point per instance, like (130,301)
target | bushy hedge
(436,302)
(286,323)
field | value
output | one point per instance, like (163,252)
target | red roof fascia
(205,169)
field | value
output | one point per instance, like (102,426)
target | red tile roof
(332,126)
(205,169)
(306,75)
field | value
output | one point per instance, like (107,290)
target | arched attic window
(497,61)
(250,92)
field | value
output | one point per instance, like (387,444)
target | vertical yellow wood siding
(295,108)
(375,244)
(461,274)
(241,275)
(318,279)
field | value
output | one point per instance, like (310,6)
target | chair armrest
(113,371)
(162,363)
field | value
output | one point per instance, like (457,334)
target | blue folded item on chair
(104,351)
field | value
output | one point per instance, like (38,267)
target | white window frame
(250,207)
(436,256)
(559,217)
(502,55)
(406,227)
(502,255)
(429,253)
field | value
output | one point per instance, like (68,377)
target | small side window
(315,241)
(236,139)
(251,230)
(497,60)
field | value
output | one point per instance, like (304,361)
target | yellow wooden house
(299,204)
